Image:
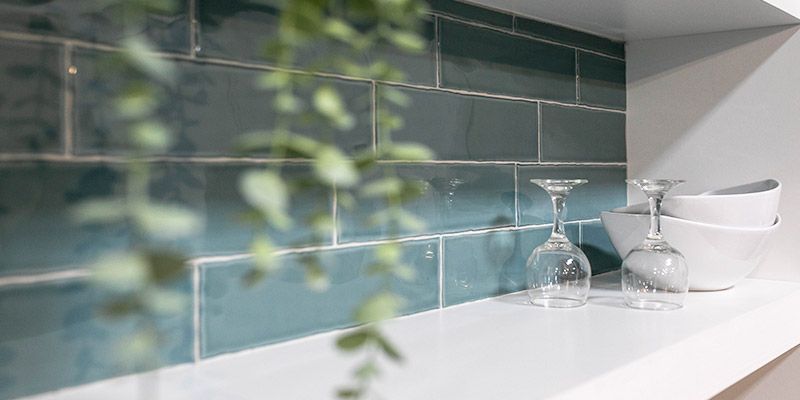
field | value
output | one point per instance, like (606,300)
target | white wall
(720,109)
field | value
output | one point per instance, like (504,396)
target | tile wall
(500,98)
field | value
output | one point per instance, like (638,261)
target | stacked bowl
(724,234)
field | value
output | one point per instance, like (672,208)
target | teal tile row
(568,36)
(491,264)
(582,135)
(598,248)
(208,109)
(461,127)
(53,337)
(38,234)
(30,99)
(282,307)
(485,60)
(602,80)
(606,190)
(95,22)
(241,30)
(455,198)
(472,13)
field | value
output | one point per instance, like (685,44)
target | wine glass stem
(655,216)
(559,207)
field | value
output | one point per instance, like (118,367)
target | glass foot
(655,305)
(557,302)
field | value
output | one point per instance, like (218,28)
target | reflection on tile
(571,37)
(241,30)
(578,134)
(605,190)
(282,307)
(37,232)
(455,198)
(52,337)
(484,60)
(491,264)
(208,108)
(597,246)
(30,98)
(94,21)
(475,13)
(458,127)
(602,80)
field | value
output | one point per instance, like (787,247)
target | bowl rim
(711,194)
(772,227)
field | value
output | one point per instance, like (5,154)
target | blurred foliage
(141,278)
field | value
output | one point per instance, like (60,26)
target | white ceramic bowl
(717,256)
(751,205)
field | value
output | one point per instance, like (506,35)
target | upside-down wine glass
(654,274)
(558,272)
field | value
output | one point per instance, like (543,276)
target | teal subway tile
(598,248)
(491,264)
(241,30)
(602,80)
(96,21)
(282,307)
(605,190)
(473,13)
(582,135)
(54,337)
(455,197)
(459,127)
(37,233)
(207,109)
(30,99)
(571,37)
(485,60)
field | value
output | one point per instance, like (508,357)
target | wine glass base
(557,302)
(656,305)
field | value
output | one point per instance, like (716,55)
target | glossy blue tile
(485,60)
(30,99)
(571,37)
(52,337)
(282,307)
(491,264)
(241,30)
(470,12)
(605,190)
(37,232)
(582,135)
(598,248)
(207,109)
(95,21)
(455,198)
(459,127)
(602,80)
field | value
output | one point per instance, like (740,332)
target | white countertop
(501,349)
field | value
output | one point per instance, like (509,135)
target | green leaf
(394,96)
(121,272)
(404,272)
(266,191)
(340,30)
(408,41)
(331,166)
(409,221)
(316,278)
(151,136)
(166,221)
(408,152)
(388,348)
(353,340)
(164,302)
(137,101)
(389,253)
(99,211)
(166,266)
(287,103)
(379,307)
(140,53)
(348,393)
(384,187)
(367,371)
(121,308)
(263,253)
(139,349)
(274,80)
(329,103)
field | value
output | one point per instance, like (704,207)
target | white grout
(438,51)
(335,217)
(441,272)
(516,194)
(193,29)
(69,99)
(44,277)
(577,78)
(196,314)
(374,109)
(539,130)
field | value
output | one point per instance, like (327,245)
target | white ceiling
(646,19)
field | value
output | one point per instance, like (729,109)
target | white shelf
(501,349)
(646,19)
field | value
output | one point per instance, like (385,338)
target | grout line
(577,78)
(513,22)
(196,314)
(516,194)
(249,160)
(44,277)
(580,234)
(514,32)
(69,99)
(539,130)
(438,51)
(335,216)
(193,31)
(374,106)
(441,272)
